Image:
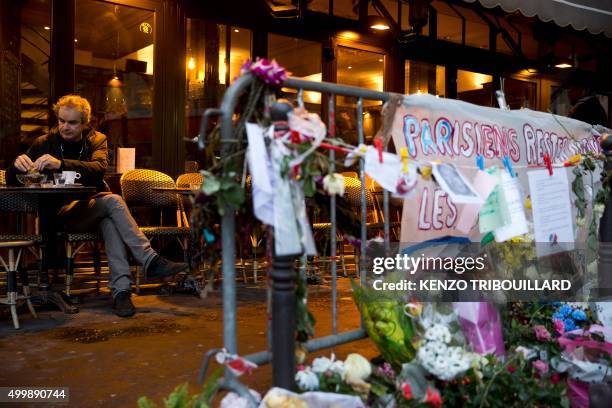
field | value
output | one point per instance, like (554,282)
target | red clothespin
(379,147)
(548,163)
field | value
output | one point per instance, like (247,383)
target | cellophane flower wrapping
(391,330)
(481,326)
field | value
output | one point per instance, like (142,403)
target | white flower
(322,364)
(307,380)
(598,210)
(442,361)
(356,369)
(580,222)
(438,332)
(338,367)
(233,400)
(334,184)
(527,353)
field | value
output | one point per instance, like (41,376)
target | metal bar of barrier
(319,343)
(364,215)
(331,114)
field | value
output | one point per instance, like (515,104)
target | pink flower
(559,326)
(433,398)
(541,366)
(407,390)
(511,369)
(541,333)
(268,71)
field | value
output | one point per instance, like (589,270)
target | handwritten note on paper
(511,203)
(491,216)
(552,211)
(484,184)
(126,159)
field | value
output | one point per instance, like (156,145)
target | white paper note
(126,159)
(511,203)
(552,211)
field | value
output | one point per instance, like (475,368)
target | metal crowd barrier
(283,274)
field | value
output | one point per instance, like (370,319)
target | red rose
(407,390)
(433,398)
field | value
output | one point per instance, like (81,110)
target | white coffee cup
(70,176)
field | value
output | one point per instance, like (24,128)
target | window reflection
(474,87)
(114,71)
(302,59)
(364,69)
(422,77)
(214,56)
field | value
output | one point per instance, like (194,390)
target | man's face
(70,123)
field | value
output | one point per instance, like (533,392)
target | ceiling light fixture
(236,30)
(47,27)
(380,60)
(350,67)
(563,65)
(378,23)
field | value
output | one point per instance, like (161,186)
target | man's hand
(23,163)
(46,161)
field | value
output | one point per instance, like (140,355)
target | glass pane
(23,120)
(302,59)
(520,94)
(364,69)
(474,87)
(346,9)
(208,70)
(422,77)
(114,71)
(321,6)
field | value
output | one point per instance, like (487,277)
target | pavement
(107,361)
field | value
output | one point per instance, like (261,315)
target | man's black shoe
(163,268)
(122,304)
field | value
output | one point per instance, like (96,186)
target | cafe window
(422,77)
(114,71)
(364,69)
(24,76)
(474,87)
(214,55)
(302,59)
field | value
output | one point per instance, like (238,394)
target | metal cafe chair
(14,243)
(137,189)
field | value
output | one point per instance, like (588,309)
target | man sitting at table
(73,145)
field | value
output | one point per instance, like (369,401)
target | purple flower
(268,71)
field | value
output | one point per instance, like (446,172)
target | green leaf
(144,402)
(211,185)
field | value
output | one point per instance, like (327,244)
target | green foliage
(180,398)
(225,188)
(511,384)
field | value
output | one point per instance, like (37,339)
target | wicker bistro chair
(137,190)
(74,243)
(13,244)
(186,181)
